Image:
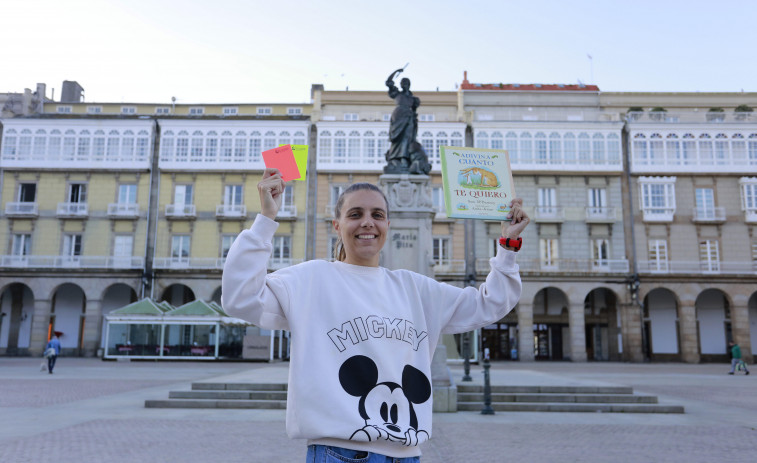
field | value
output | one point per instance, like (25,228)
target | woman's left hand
(519,220)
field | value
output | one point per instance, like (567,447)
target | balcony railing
(181,211)
(231,211)
(22,209)
(698,267)
(713,215)
(658,214)
(549,214)
(689,116)
(85,262)
(449,266)
(563,266)
(73,210)
(188,262)
(287,212)
(601,214)
(123,210)
(750,215)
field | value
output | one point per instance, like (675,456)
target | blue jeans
(328,454)
(51,363)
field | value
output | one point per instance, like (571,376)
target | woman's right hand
(271,189)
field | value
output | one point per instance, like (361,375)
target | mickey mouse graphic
(387,407)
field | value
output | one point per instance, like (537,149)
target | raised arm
(393,90)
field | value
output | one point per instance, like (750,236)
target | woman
(362,336)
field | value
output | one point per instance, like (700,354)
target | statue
(405,154)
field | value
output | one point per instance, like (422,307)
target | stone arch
(713,311)
(177,294)
(16,315)
(551,324)
(216,296)
(67,309)
(661,325)
(114,297)
(602,326)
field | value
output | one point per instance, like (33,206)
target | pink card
(282,158)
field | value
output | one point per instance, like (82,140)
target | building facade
(642,243)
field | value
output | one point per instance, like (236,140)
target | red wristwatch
(510,243)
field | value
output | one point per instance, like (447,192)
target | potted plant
(634,113)
(742,112)
(657,113)
(715,115)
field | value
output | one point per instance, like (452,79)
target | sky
(251,51)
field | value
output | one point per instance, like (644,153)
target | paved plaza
(93,411)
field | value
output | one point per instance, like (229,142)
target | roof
(144,307)
(465,85)
(195,308)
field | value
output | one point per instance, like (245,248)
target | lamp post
(633,288)
(466,357)
(487,410)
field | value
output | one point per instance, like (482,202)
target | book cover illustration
(478,183)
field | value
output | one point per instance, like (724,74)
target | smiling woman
(363,336)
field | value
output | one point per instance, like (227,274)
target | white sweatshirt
(362,338)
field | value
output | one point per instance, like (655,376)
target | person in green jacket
(736,358)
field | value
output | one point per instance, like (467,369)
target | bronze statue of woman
(405,154)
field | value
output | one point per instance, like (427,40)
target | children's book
(478,183)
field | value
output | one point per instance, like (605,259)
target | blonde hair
(339,252)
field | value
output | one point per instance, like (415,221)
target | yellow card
(301,158)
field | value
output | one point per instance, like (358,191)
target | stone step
(229,395)
(572,407)
(199,403)
(239,386)
(562,398)
(547,389)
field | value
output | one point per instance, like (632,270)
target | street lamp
(470,281)
(633,284)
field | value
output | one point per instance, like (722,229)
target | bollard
(466,357)
(488,410)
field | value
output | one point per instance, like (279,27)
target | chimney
(72,92)
(315,88)
(40,98)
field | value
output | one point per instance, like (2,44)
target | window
(232,195)
(282,246)
(437,196)
(71,246)
(754,255)
(27,192)
(351,116)
(226,242)
(386,117)
(196,111)
(287,198)
(264,111)
(709,257)
(183,195)
(94,109)
(601,253)
(705,201)
(597,200)
(426,117)
(128,110)
(548,253)
(162,110)
(230,111)
(21,244)
(123,247)
(63,109)
(658,255)
(657,198)
(336,191)
(77,193)
(441,251)
(749,197)
(547,201)
(180,248)
(294,111)
(127,193)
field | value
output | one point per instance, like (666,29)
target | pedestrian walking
(52,351)
(363,336)
(736,361)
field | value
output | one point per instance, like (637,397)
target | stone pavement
(93,411)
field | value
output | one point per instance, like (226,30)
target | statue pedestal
(409,246)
